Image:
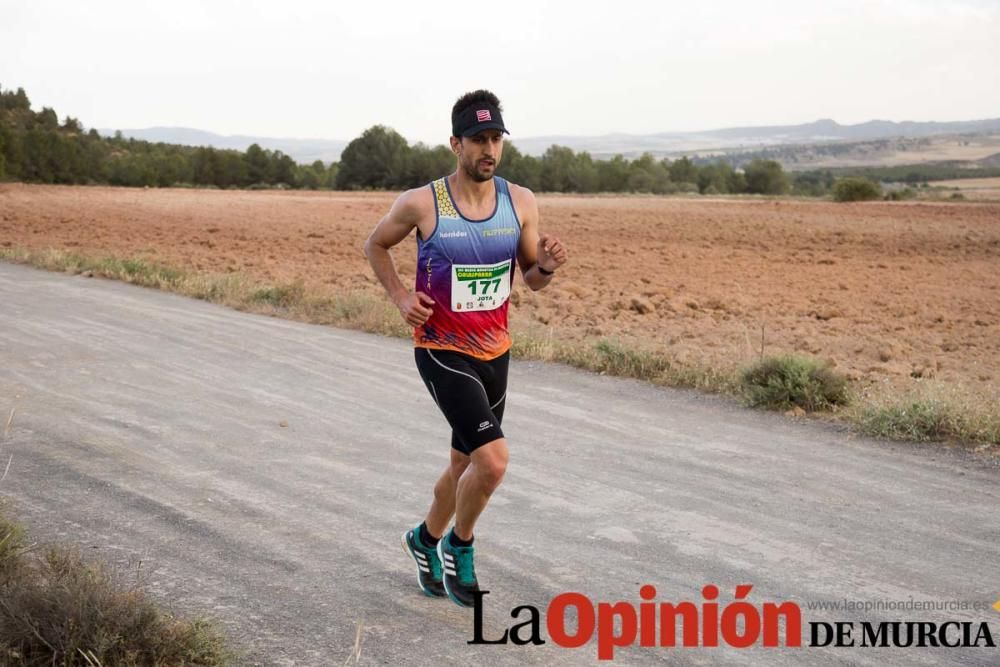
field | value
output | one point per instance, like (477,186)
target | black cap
(478,117)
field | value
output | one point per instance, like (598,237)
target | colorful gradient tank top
(467,267)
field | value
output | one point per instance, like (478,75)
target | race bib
(479,286)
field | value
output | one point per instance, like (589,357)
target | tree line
(382,158)
(36,147)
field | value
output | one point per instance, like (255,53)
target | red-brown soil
(884,290)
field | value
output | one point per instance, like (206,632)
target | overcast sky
(330,69)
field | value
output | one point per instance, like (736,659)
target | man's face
(479,155)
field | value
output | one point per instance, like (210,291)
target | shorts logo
(484,426)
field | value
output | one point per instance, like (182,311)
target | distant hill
(665,144)
(671,144)
(303,151)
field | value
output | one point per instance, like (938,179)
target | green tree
(613,174)
(855,189)
(812,183)
(258,164)
(12,101)
(557,163)
(37,163)
(684,171)
(232,170)
(282,169)
(648,175)
(718,178)
(330,179)
(311,176)
(522,169)
(424,164)
(48,119)
(72,125)
(171,168)
(204,166)
(583,176)
(765,177)
(376,159)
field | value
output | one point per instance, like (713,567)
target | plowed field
(884,290)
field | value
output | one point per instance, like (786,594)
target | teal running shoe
(459,571)
(428,564)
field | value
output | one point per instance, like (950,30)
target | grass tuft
(919,421)
(779,383)
(11,546)
(281,296)
(616,359)
(930,411)
(58,608)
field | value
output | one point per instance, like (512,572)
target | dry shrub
(779,383)
(58,609)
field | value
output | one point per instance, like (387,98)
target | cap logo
(483,115)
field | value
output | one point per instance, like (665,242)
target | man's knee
(491,462)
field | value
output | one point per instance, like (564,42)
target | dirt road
(263,470)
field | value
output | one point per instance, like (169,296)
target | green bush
(856,189)
(766,177)
(779,383)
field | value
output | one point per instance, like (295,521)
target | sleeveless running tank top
(467,267)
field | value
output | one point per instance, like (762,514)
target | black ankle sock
(456,541)
(426,538)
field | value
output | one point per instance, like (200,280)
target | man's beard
(472,171)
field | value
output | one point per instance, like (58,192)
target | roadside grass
(612,357)
(929,411)
(58,608)
(355,310)
(771,383)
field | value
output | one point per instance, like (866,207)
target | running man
(473,229)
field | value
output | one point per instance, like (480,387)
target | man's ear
(456,145)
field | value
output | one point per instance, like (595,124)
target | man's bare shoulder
(520,193)
(414,205)
(523,199)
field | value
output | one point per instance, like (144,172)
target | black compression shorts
(470,392)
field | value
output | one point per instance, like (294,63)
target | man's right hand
(415,308)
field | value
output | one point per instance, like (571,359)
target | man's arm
(535,251)
(402,218)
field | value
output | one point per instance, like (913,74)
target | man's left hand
(551,253)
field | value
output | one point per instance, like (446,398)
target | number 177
(485,286)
